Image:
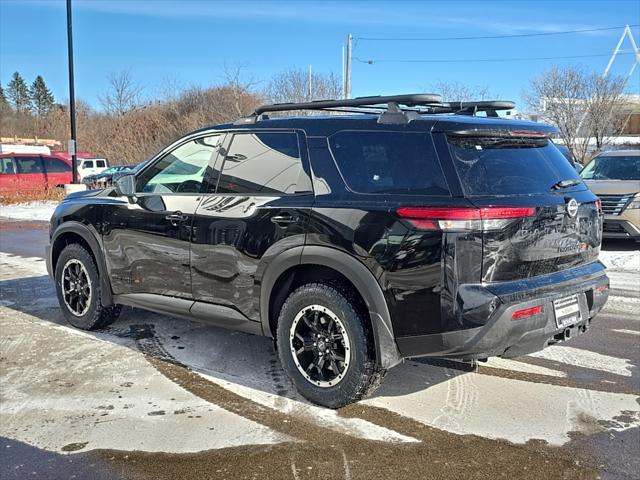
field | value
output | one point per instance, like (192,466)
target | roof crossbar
(391,108)
(412,100)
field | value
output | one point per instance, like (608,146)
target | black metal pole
(72,99)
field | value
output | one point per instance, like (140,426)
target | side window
(54,165)
(7,166)
(87,164)
(100,164)
(389,162)
(29,165)
(261,163)
(181,171)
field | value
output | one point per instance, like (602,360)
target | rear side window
(29,165)
(100,164)
(7,166)
(54,165)
(388,162)
(508,165)
(261,163)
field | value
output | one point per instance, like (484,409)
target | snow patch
(35,211)
(586,359)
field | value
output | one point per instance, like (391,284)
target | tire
(75,262)
(339,308)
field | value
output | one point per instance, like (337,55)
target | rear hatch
(557,222)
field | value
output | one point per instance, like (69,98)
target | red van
(30,171)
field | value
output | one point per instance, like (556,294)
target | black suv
(416,228)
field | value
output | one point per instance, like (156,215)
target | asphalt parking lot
(153,397)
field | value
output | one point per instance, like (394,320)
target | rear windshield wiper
(566,183)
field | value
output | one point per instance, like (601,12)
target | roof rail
(391,108)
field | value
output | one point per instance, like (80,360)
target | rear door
(147,242)
(260,205)
(563,227)
(57,171)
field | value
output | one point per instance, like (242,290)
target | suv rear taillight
(463,218)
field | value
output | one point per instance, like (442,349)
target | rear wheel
(326,345)
(78,289)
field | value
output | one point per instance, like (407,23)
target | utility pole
(626,33)
(72,100)
(347,81)
(310,89)
(342,74)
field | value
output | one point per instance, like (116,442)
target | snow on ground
(37,211)
(621,260)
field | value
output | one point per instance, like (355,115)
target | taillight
(527,312)
(601,289)
(463,218)
(598,204)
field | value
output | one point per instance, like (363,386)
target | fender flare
(91,236)
(359,275)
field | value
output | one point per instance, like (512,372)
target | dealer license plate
(567,311)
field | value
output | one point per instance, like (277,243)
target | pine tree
(18,94)
(41,97)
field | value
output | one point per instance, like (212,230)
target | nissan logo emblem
(572,207)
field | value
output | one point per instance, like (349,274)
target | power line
(487,37)
(489,60)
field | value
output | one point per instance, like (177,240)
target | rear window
(388,162)
(613,168)
(508,165)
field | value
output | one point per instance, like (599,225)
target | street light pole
(72,99)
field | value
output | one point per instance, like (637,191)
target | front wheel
(78,289)
(326,345)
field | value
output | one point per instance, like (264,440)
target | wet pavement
(153,397)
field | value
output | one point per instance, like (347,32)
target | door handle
(176,218)
(284,219)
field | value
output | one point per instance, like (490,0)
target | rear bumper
(503,336)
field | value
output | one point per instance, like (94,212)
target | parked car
(104,178)
(87,163)
(353,240)
(29,171)
(615,177)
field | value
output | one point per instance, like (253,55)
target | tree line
(132,124)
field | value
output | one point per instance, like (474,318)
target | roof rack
(391,108)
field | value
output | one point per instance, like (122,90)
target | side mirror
(126,187)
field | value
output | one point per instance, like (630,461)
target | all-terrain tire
(362,376)
(94,315)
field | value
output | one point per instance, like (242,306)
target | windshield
(509,165)
(612,168)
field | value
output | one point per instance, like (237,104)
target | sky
(176,44)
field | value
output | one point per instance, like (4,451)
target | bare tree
(239,88)
(299,85)
(581,104)
(460,92)
(604,116)
(123,94)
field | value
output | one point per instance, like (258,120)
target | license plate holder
(567,311)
